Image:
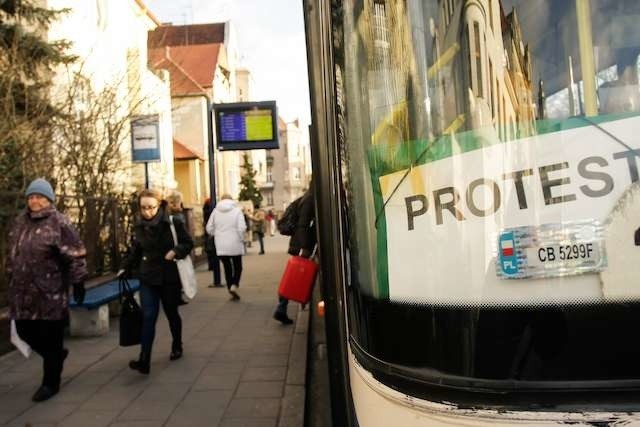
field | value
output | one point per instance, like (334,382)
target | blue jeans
(150,298)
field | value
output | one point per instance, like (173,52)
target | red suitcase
(298,278)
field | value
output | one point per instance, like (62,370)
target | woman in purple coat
(46,256)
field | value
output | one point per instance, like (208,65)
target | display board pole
(212,163)
(146,174)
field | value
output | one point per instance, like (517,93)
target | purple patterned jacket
(46,256)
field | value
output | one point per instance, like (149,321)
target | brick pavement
(240,368)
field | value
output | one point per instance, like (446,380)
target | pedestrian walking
(227,226)
(271,222)
(175,206)
(176,210)
(302,243)
(45,257)
(246,236)
(152,253)
(210,246)
(258,226)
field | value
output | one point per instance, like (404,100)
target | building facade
(496,67)
(202,59)
(289,168)
(112,59)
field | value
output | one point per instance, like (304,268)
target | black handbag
(130,316)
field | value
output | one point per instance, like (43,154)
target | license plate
(569,255)
(551,250)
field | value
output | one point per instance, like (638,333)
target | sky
(271,44)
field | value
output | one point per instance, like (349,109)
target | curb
(293,400)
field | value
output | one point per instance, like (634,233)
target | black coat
(304,238)
(150,244)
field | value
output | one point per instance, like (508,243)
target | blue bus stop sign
(145,139)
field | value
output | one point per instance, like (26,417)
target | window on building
(491,88)
(269,174)
(101,14)
(478,58)
(503,122)
(296,174)
(381,34)
(269,198)
(491,14)
(446,12)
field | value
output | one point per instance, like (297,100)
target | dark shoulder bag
(130,316)
(289,222)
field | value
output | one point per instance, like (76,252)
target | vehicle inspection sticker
(551,250)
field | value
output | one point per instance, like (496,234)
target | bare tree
(92,145)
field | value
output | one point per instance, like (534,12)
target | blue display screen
(233,127)
(246,125)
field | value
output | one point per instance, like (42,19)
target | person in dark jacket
(45,256)
(301,243)
(258,226)
(153,253)
(175,208)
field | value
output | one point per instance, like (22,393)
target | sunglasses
(148,208)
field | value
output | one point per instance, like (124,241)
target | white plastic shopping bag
(186,271)
(22,346)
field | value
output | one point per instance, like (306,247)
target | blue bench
(103,294)
(92,317)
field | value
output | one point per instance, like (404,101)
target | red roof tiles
(190,51)
(182,35)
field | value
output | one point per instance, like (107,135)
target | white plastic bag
(22,346)
(187,276)
(185,269)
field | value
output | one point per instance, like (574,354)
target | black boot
(44,393)
(176,352)
(282,317)
(142,364)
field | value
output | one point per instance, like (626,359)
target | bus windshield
(490,170)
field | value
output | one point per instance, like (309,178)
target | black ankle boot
(142,364)
(176,352)
(44,393)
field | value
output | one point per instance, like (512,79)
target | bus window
(490,169)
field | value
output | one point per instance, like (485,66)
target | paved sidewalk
(240,368)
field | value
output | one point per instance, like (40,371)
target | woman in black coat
(302,243)
(153,253)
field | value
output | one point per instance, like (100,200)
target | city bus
(476,178)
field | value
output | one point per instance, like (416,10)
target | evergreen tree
(27,114)
(248,189)
(27,63)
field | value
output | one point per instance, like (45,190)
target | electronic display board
(246,125)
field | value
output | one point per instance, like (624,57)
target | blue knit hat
(41,186)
